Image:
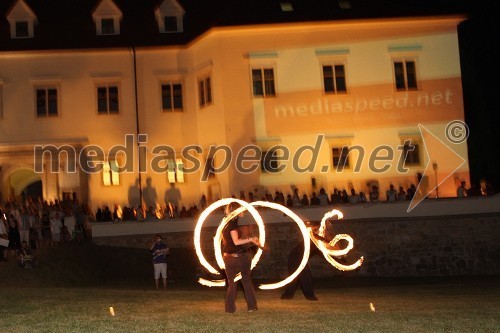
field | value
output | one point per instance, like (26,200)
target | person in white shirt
(55,228)
(391,193)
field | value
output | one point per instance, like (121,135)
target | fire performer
(305,278)
(236,259)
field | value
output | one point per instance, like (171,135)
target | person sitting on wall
(374,194)
(391,194)
(401,194)
(461,190)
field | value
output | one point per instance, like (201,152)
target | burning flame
(328,252)
(372,307)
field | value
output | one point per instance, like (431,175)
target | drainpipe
(137,128)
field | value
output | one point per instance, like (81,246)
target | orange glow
(365,107)
(306,234)
(218,253)
(329,253)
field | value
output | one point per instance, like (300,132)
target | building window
(334,79)
(263,82)
(107,99)
(171,97)
(22,29)
(46,102)
(107,16)
(170,23)
(269,161)
(175,171)
(405,74)
(340,157)
(411,153)
(22,20)
(205,91)
(110,175)
(169,16)
(108,26)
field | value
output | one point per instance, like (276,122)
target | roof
(64,24)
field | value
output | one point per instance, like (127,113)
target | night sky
(480,56)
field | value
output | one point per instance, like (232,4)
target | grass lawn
(74,287)
(434,307)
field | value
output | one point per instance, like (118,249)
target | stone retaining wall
(417,246)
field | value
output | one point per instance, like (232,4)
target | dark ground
(87,265)
(81,265)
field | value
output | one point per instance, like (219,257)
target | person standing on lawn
(159,251)
(236,259)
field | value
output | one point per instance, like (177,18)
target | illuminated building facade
(301,96)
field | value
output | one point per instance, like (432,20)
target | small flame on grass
(111,311)
(372,307)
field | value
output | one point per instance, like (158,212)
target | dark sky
(480,57)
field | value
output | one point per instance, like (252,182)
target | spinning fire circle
(307,233)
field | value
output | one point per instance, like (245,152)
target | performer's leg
(290,289)
(305,278)
(232,287)
(293,263)
(246,280)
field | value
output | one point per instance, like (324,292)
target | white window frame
(171,83)
(108,85)
(175,171)
(416,140)
(116,26)
(21,12)
(205,97)
(332,64)
(107,9)
(263,81)
(29,27)
(275,157)
(109,176)
(170,8)
(179,24)
(47,87)
(341,143)
(404,60)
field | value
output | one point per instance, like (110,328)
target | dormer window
(22,29)
(170,23)
(22,20)
(108,26)
(107,17)
(169,16)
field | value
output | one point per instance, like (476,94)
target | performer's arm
(242,241)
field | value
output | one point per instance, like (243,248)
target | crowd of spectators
(291,200)
(169,210)
(35,224)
